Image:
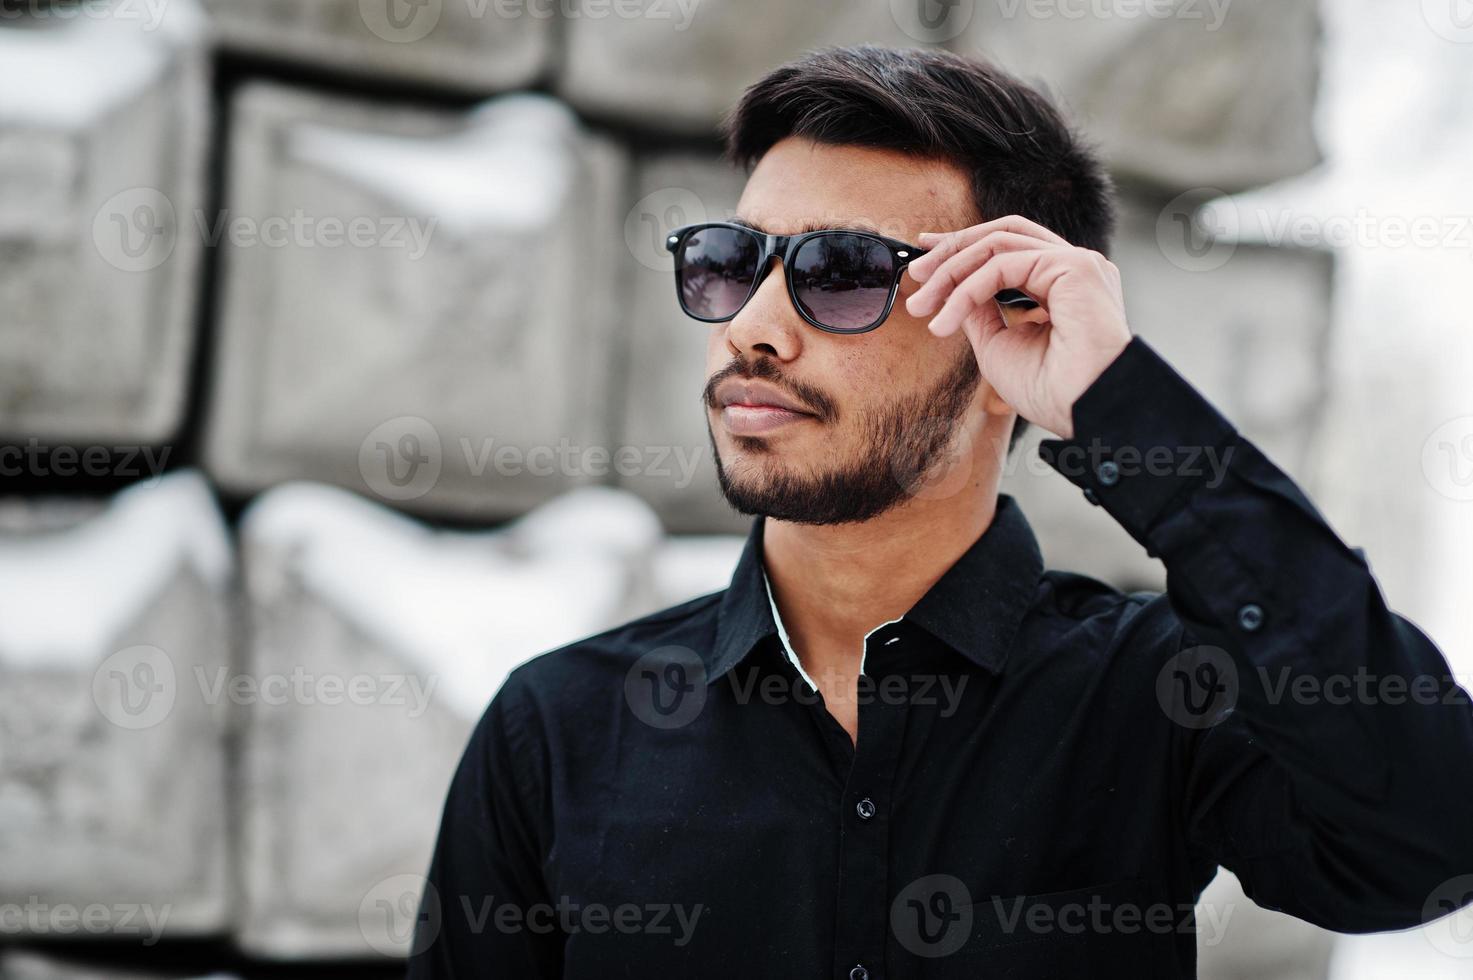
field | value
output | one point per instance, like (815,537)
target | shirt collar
(974,608)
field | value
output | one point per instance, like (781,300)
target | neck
(835,583)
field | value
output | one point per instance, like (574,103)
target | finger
(943,245)
(982,326)
(996,343)
(962,264)
(1031,271)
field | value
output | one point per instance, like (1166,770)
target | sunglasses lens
(714,271)
(843,281)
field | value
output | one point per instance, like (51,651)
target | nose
(768,324)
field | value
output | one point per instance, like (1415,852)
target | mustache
(766,369)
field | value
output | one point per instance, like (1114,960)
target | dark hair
(1023,157)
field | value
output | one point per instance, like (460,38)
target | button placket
(863,928)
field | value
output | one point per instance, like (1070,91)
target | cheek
(890,361)
(863,378)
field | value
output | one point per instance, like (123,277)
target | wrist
(1094,366)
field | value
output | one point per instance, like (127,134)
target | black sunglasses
(840,281)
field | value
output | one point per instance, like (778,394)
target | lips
(750,408)
(753,394)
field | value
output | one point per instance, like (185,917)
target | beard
(902,443)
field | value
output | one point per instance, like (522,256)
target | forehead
(800,184)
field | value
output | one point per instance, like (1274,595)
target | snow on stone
(464,608)
(75,64)
(510,168)
(66,594)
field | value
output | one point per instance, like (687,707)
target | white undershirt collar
(782,634)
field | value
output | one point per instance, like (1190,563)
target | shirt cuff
(1143,437)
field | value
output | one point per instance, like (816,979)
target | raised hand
(1039,368)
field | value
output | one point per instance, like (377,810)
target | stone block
(385,641)
(417,306)
(1180,94)
(113,770)
(101,162)
(477,46)
(678,65)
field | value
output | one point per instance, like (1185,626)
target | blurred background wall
(340,372)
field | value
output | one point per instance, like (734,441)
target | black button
(1108,472)
(1091,496)
(858,973)
(1250,617)
(865,808)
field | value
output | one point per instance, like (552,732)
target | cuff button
(1108,473)
(1250,617)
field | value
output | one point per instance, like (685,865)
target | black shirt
(1048,771)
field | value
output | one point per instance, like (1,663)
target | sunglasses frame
(786,246)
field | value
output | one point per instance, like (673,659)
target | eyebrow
(808,226)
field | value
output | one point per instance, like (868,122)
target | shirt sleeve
(1333,774)
(485,911)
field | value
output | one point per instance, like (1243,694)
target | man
(896,746)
